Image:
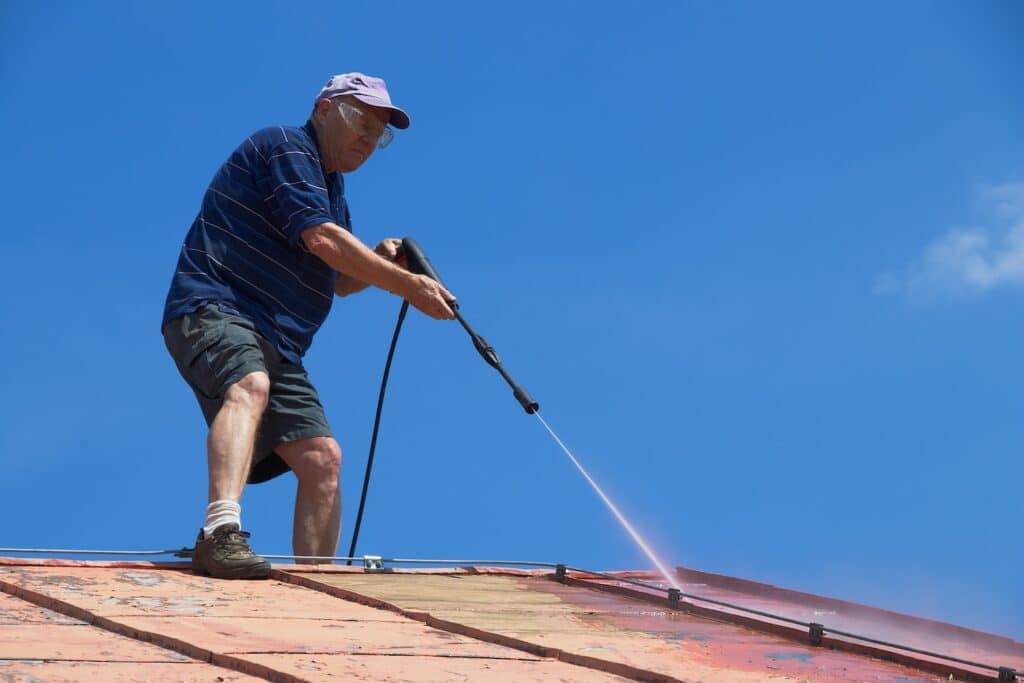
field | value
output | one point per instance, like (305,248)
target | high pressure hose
(376,428)
(419,263)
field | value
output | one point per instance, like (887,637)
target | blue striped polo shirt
(244,250)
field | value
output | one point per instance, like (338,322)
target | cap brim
(399,119)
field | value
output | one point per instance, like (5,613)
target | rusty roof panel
(141,591)
(339,623)
(435,669)
(34,671)
(232,623)
(77,642)
(15,612)
(588,623)
(852,617)
(38,644)
(241,635)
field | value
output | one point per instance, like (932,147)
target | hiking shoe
(227,555)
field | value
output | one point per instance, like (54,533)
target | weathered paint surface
(117,672)
(591,623)
(339,623)
(37,644)
(429,669)
(851,617)
(268,629)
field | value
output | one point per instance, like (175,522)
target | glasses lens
(365,125)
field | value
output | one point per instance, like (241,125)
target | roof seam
(199,654)
(98,661)
(354,653)
(898,655)
(585,661)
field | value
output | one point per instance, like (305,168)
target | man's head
(351,115)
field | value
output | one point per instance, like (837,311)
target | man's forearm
(354,261)
(346,284)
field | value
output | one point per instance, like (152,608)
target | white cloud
(970,260)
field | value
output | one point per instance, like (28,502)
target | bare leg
(316,462)
(232,435)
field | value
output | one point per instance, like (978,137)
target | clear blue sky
(760,263)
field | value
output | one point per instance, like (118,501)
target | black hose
(376,428)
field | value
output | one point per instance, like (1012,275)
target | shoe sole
(260,570)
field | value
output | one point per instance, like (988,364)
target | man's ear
(322,107)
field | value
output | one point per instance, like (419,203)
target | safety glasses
(365,125)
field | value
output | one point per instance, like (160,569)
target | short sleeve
(299,191)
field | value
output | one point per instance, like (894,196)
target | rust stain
(601,629)
(915,633)
(269,629)
(15,612)
(449,624)
(32,671)
(852,617)
(45,646)
(432,669)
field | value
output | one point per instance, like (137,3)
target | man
(270,248)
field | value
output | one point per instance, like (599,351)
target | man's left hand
(391,249)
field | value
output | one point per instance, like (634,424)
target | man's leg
(220,356)
(232,435)
(316,463)
(221,549)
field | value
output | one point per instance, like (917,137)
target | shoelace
(237,539)
(231,539)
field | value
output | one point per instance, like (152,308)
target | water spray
(418,262)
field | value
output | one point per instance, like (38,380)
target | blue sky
(760,263)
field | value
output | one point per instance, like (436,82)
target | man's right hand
(431,298)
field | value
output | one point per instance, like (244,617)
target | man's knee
(252,391)
(316,460)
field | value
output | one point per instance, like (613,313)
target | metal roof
(74,620)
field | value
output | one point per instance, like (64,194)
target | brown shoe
(227,555)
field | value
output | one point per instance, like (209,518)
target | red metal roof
(67,620)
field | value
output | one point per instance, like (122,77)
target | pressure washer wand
(419,263)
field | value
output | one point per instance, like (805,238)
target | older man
(270,248)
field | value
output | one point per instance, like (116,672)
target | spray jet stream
(419,263)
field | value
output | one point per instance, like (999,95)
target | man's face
(349,131)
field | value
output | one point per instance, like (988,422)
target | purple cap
(367,89)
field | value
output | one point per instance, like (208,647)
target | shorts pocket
(192,343)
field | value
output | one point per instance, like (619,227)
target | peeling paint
(142,578)
(488,625)
(804,657)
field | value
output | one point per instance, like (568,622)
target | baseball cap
(366,89)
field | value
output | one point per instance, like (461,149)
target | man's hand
(431,298)
(390,248)
(358,266)
(428,295)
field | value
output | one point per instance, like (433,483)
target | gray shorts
(213,350)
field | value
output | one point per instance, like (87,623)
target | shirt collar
(336,177)
(311,131)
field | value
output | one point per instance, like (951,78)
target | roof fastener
(560,572)
(815,632)
(674,596)
(373,563)
(1007,675)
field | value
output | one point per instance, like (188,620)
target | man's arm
(387,249)
(346,284)
(354,261)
